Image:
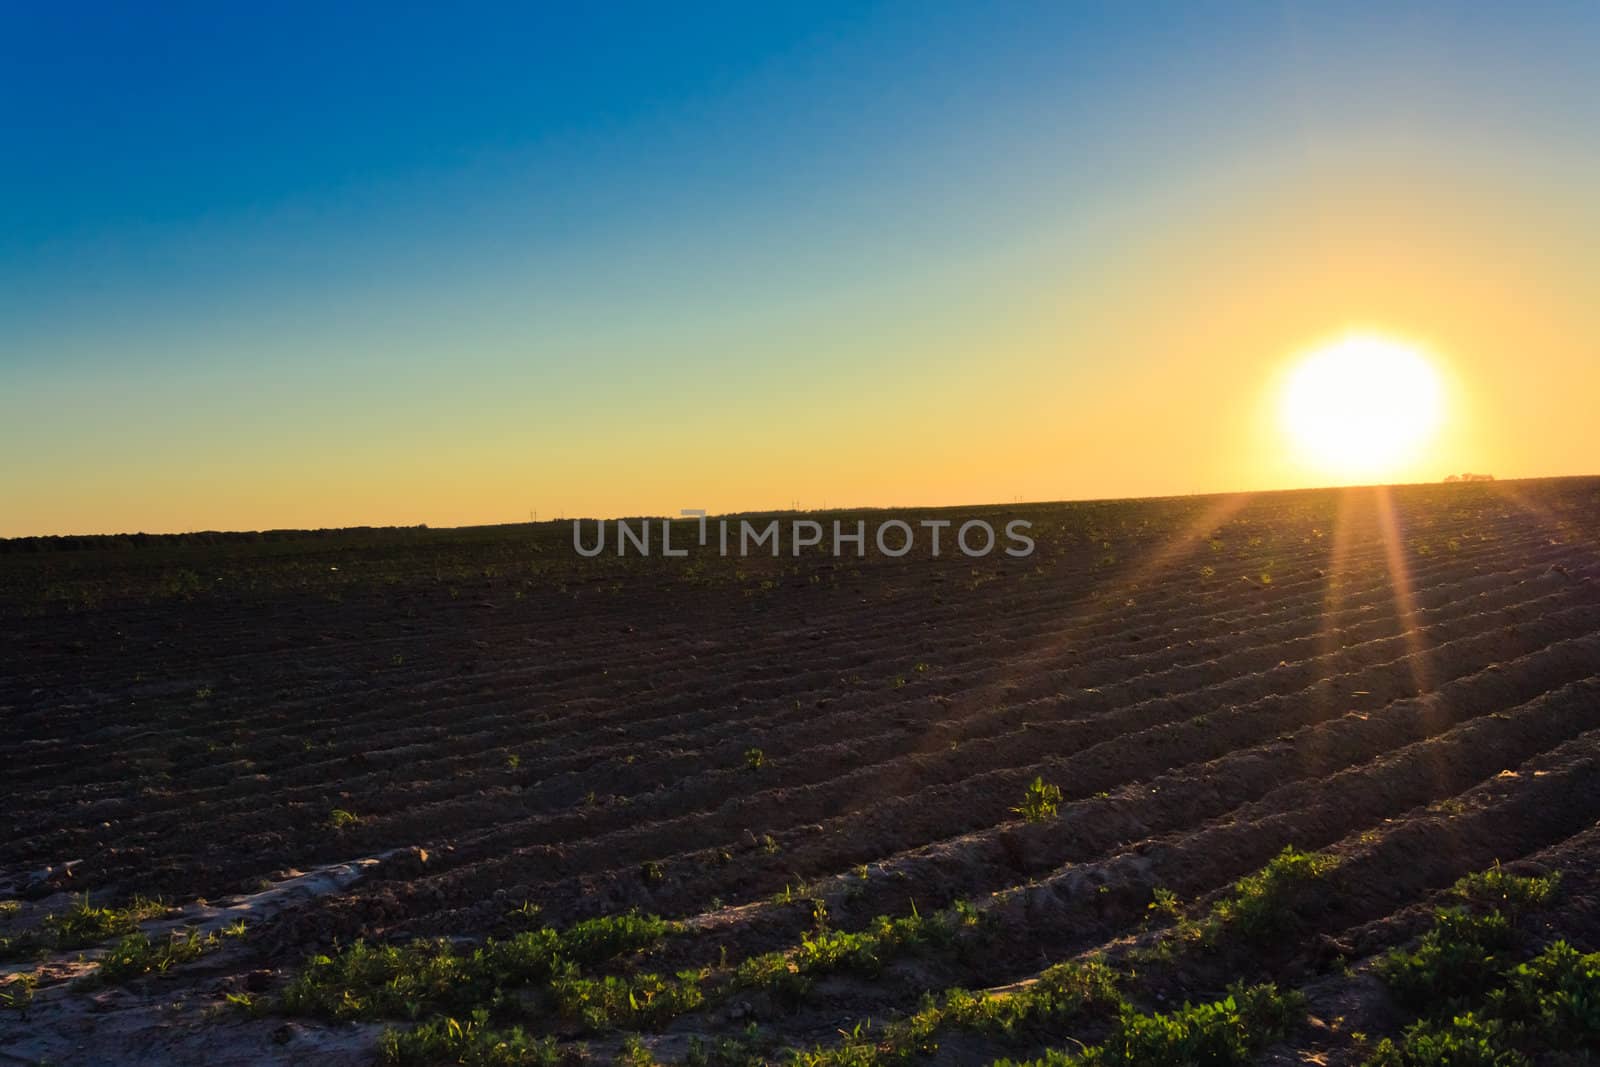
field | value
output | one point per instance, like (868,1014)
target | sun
(1362,407)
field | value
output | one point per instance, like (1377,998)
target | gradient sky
(268,266)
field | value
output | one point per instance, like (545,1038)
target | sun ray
(1389,525)
(1110,596)
(1562,530)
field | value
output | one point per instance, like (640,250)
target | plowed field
(816,769)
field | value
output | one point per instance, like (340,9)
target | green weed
(470,1042)
(638,1000)
(84,924)
(1477,1006)
(424,978)
(1509,892)
(81,925)
(1260,905)
(1550,1003)
(139,954)
(1455,961)
(1040,801)
(1061,994)
(788,974)
(17,992)
(1222,1033)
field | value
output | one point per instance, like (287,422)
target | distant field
(849,786)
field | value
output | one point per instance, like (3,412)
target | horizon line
(824,510)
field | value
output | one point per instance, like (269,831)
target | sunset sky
(267,266)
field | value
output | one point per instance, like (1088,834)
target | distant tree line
(1470,477)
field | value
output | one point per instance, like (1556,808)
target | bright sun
(1362,406)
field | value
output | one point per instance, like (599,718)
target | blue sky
(237,232)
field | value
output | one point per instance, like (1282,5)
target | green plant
(470,1042)
(248,1003)
(728,1051)
(1456,960)
(1223,1033)
(638,1000)
(16,992)
(1464,1041)
(82,924)
(1063,993)
(1479,1007)
(1164,902)
(634,1053)
(754,759)
(1510,892)
(1039,801)
(524,914)
(140,954)
(788,974)
(339,819)
(1460,957)
(423,977)
(1558,992)
(1260,905)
